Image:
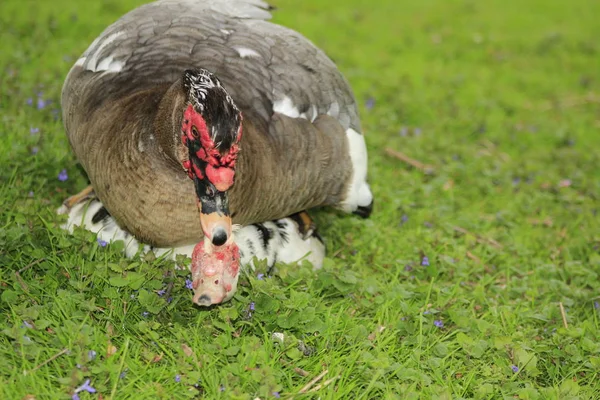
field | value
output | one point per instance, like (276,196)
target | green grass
(500,97)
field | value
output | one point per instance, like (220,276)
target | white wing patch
(359,192)
(106,64)
(286,107)
(246,52)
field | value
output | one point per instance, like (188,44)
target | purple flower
(91,355)
(189,284)
(29,101)
(404,219)
(222,388)
(276,395)
(370,103)
(85,387)
(439,323)
(161,292)
(101,242)
(30,194)
(260,277)
(63,176)
(408,267)
(426,312)
(170,299)
(41,103)
(514,368)
(123,374)
(35,150)
(596,305)
(177,378)
(252,306)
(75,397)
(145,314)
(33,131)
(425,261)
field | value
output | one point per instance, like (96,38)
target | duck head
(211,132)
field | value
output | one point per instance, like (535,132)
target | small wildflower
(514,368)
(252,306)
(101,242)
(123,374)
(41,103)
(222,388)
(63,176)
(404,219)
(438,323)
(408,267)
(132,296)
(35,150)
(276,395)
(75,397)
(27,338)
(260,277)
(91,355)
(85,387)
(170,299)
(161,292)
(30,194)
(78,366)
(29,101)
(596,305)
(404,131)
(189,284)
(33,130)
(370,103)
(145,314)
(425,261)
(26,325)
(426,312)
(178,378)
(417,131)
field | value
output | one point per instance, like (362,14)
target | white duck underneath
(273,241)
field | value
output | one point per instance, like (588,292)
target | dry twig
(312,382)
(428,169)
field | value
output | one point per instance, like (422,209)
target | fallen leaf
(110,349)
(187,350)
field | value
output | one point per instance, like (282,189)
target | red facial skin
(220,169)
(215,270)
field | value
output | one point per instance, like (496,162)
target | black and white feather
(273,241)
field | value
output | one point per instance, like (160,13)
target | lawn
(477,275)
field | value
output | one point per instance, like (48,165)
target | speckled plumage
(123,103)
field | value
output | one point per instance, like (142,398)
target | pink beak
(215,272)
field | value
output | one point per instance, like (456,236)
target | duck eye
(195,132)
(210,191)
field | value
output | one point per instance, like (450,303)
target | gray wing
(265,67)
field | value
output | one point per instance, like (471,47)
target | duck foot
(306,225)
(70,202)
